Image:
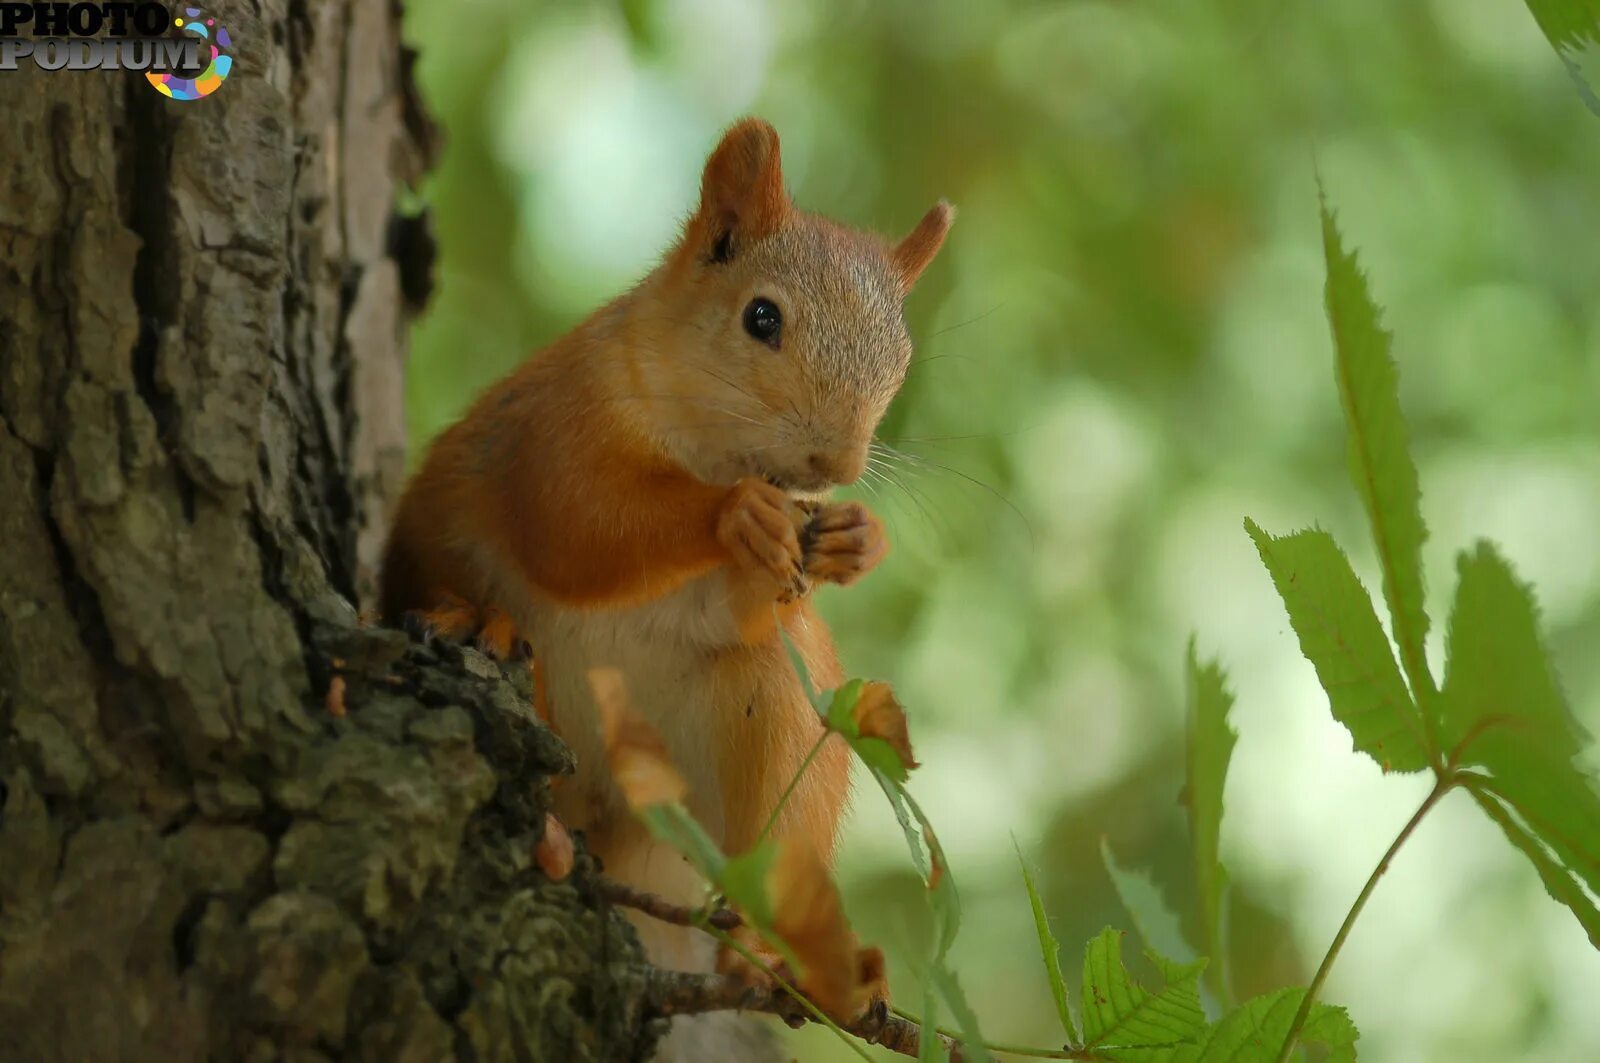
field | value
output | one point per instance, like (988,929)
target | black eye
(763,321)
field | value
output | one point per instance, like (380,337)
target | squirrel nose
(835,468)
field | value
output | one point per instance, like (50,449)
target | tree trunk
(235,823)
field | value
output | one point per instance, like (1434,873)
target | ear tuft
(912,255)
(742,198)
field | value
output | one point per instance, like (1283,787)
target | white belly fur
(666,651)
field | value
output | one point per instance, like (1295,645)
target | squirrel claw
(490,630)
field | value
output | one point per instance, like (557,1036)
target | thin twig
(624,895)
(685,993)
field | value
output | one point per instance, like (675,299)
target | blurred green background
(1122,353)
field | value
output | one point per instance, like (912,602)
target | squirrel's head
(777,339)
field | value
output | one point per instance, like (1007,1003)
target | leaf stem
(1010,1050)
(1442,787)
(772,820)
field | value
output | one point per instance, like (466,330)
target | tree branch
(684,993)
(625,896)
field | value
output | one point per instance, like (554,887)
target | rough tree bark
(202,853)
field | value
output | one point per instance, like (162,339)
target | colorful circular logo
(216,72)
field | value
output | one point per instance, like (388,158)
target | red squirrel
(649,493)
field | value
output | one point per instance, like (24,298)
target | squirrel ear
(741,193)
(912,255)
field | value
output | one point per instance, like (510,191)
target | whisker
(892,477)
(902,457)
(969,321)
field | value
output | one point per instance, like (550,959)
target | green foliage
(1049,950)
(1254,1032)
(1573,29)
(1377,452)
(1119,1013)
(1502,711)
(1152,917)
(973,1045)
(1340,636)
(1209,748)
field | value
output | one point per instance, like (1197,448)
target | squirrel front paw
(842,542)
(758,526)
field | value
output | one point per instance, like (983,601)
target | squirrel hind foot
(454,619)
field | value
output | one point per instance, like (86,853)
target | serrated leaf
(1118,1012)
(1152,917)
(1209,748)
(972,1043)
(1573,29)
(1332,1028)
(1049,950)
(1254,1032)
(1558,882)
(1502,710)
(928,856)
(1378,452)
(1340,635)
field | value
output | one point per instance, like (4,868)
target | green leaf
(1118,1012)
(744,882)
(972,1042)
(1332,1028)
(1378,454)
(1049,950)
(1558,882)
(1502,710)
(1254,1031)
(841,708)
(928,856)
(880,757)
(1340,635)
(1210,742)
(672,824)
(1153,918)
(1573,29)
